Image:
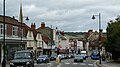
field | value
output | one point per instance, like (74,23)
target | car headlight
(44,59)
(11,63)
(28,63)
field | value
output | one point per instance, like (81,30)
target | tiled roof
(46,39)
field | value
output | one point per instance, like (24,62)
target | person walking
(58,59)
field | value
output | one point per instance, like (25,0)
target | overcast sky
(67,15)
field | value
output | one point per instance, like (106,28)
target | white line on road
(82,64)
(67,63)
(75,63)
(58,65)
(90,64)
(49,63)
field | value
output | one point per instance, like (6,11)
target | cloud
(68,15)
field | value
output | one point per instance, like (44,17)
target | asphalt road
(68,63)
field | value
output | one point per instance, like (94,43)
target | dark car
(43,59)
(53,57)
(22,58)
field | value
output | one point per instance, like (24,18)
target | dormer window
(38,36)
(30,34)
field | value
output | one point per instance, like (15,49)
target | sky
(66,15)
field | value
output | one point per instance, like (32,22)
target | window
(38,36)
(2,29)
(15,31)
(29,44)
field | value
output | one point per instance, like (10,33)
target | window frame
(14,31)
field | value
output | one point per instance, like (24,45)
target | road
(68,63)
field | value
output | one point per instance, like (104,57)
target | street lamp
(51,36)
(22,30)
(4,45)
(21,20)
(99,15)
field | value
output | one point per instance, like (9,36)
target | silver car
(78,58)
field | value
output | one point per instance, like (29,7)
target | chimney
(33,26)
(101,30)
(90,31)
(42,25)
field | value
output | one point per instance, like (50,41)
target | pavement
(7,64)
(108,63)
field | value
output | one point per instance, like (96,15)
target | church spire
(21,14)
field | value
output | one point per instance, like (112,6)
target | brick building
(12,35)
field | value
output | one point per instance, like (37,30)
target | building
(47,37)
(12,36)
(94,40)
(37,42)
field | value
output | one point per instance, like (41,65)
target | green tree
(113,39)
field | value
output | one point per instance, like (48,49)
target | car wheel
(33,65)
(37,63)
(74,60)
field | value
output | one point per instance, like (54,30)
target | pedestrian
(110,56)
(58,59)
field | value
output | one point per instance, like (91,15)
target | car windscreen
(22,55)
(43,56)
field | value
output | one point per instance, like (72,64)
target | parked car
(53,57)
(84,53)
(43,59)
(22,58)
(95,55)
(78,58)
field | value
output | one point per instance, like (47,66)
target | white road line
(90,64)
(82,64)
(41,64)
(67,63)
(59,65)
(75,63)
(49,63)
(48,66)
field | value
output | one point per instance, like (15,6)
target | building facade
(14,37)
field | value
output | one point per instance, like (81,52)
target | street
(68,63)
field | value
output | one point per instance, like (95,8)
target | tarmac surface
(108,63)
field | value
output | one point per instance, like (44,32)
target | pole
(99,37)
(51,38)
(21,35)
(99,46)
(4,45)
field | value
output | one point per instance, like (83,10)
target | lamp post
(99,15)
(51,36)
(21,20)
(4,45)
(22,30)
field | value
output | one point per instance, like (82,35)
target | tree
(113,38)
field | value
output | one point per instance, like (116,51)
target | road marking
(82,64)
(48,66)
(67,63)
(90,64)
(58,66)
(39,64)
(49,63)
(75,63)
